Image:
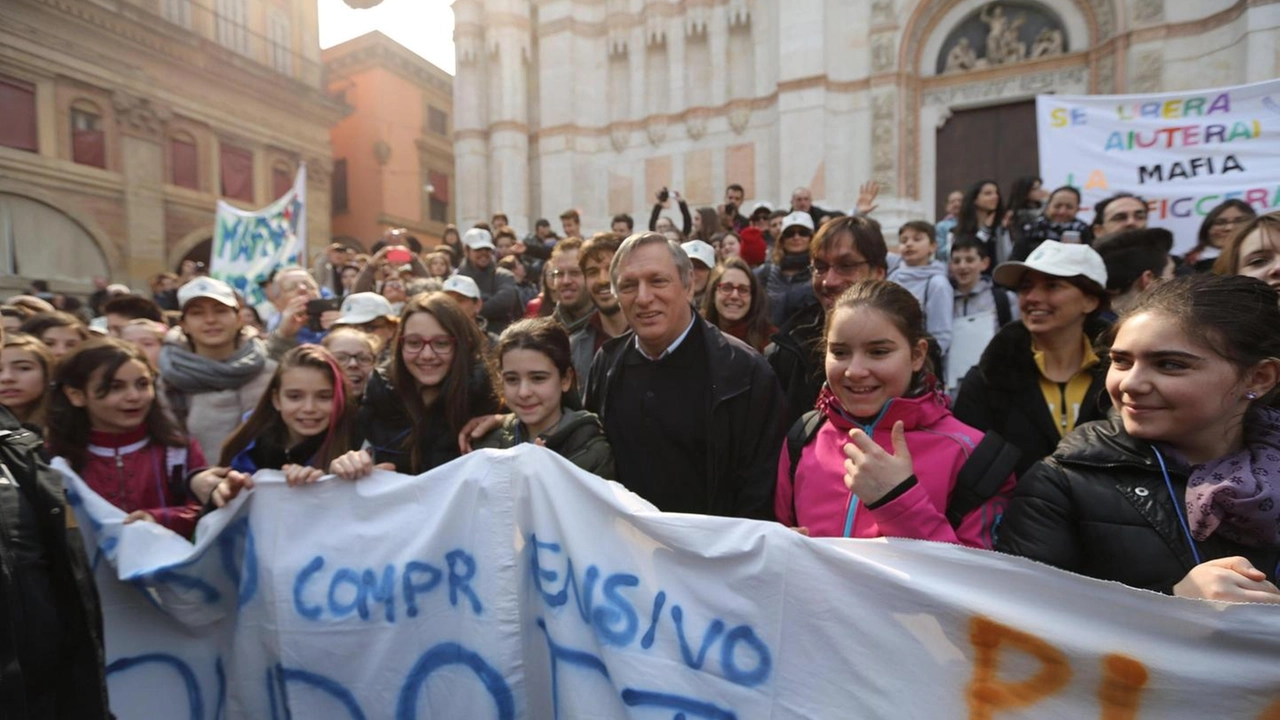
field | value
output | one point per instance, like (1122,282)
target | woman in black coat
(1039,377)
(1173,492)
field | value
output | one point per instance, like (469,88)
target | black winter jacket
(384,424)
(1100,507)
(80,692)
(795,359)
(1002,394)
(578,437)
(746,428)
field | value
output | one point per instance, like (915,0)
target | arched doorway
(40,242)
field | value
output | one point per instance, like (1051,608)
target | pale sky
(423,26)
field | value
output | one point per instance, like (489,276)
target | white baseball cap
(700,251)
(478,239)
(207,287)
(798,218)
(462,285)
(761,206)
(360,308)
(1057,259)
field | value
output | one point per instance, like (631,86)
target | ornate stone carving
(1019,86)
(1104,12)
(739,116)
(1148,11)
(619,135)
(882,12)
(882,141)
(657,129)
(1007,39)
(739,12)
(140,114)
(382,152)
(882,52)
(695,123)
(1148,69)
(319,171)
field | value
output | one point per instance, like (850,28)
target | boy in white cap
(704,259)
(467,294)
(214,372)
(501,299)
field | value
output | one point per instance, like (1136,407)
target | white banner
(1184,152)
(513,585)
(249,244)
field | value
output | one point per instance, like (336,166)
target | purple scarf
(1238,496)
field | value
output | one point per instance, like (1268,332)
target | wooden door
(997,142)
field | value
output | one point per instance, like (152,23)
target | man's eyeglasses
(843,269)
(440,344)
(558,275)
(360,359)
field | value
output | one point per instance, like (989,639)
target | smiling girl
(887,454)
(302,423)
(1175,492)
(26,371)
(104,419)
(1058,218)
(737,305)
(538,383)
(438,379)
(1039,378)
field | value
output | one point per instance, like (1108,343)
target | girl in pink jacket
(885,458)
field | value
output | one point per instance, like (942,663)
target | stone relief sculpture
(1007,37)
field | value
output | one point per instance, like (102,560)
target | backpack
(1004,314)
(979,479)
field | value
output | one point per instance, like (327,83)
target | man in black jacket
(497,286)
(845,251)
(51,656)
(695,417)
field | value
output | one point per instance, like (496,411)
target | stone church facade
(596,104)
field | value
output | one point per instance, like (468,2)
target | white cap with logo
(363,307)
(478,239)
(798,217)
(1057,259)
(700,251)
(462,285)
(207,287)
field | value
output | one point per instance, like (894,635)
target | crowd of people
(781,364)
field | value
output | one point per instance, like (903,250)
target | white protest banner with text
(513,585)
(1184,152)
(248,245)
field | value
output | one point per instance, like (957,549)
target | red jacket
(134,473)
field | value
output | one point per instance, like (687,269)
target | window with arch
(235,167)
(88,141)
(184,161)
(39,241)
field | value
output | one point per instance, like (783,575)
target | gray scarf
(187,372)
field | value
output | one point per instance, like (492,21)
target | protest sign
(513,585)
(1184,152)
(248,245)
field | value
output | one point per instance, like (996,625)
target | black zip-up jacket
(79,689)
(1099,506)
(1002,394)
(746,428)
(795,359)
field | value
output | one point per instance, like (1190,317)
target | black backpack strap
(981,476)
(797,437)
(1004,314)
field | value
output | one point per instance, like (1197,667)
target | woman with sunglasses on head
(437,380)
(786,278)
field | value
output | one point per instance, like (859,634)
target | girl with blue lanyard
(1179,490)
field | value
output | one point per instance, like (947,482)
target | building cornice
(375,50)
